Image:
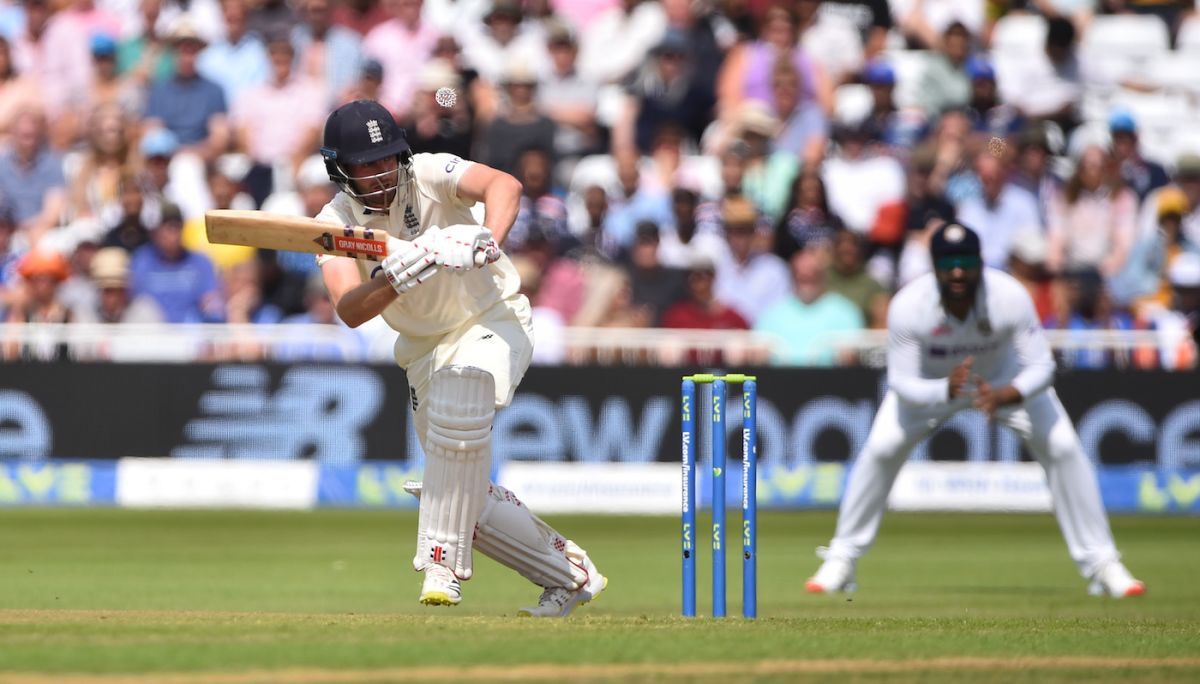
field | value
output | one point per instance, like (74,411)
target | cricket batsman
(465,341)
(965,337)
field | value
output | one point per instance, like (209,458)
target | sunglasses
(953,261)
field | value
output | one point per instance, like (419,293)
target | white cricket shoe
(835,574)
(560,601)
(1113,579)
(441,587)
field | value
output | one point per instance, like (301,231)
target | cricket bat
(296,234)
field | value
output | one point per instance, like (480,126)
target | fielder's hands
(463,247)
(408,264)
(959,377)
(988,399)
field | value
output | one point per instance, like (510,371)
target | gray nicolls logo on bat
(324,241)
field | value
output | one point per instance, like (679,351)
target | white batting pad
(511,534)
(458,458)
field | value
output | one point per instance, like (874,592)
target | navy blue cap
(373,69)
(361,132)
(954,239)
(978,67)
(674,42)
(879,73)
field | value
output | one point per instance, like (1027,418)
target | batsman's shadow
(1002,590)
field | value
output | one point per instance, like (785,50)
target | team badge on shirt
(411,224)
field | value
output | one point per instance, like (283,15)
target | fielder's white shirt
(449,299)
(1002,332)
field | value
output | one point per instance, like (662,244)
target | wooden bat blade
(294,233)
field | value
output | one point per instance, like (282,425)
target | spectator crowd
(769,165)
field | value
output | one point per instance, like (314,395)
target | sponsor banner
(1142,490)
(568,488)
(970,487)
(215,483)
(371,485)
(634,488)
(59,483)
(806,486)
(348,415)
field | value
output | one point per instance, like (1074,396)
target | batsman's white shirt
(1002,332)
(474,318)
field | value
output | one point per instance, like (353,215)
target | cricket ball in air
(445,97)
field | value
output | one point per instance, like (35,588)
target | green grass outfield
(105,596)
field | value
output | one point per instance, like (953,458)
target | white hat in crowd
(1185,270)
(1029,245)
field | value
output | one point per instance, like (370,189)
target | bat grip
(486,251)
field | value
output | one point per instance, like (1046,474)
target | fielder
(962,337)
(465,340)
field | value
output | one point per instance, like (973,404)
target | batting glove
(456,246)
(409,264)
(489,253)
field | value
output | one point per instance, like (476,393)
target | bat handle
(486,253)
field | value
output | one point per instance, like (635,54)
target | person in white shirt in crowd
(686,240)
(464,340)
(925,22)
(1047,85)
(502,39)
(617,41)
(831,38)
(454,16)
(751,279)
(967,337)
(205,15)
(1000,212)
(858,181)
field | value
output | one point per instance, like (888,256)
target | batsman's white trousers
(499,340)
(1042,425)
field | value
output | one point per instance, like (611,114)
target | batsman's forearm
(501,202)
(366,301)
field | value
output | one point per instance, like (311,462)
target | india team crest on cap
(955,234)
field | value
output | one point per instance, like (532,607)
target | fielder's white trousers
(1042,425)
